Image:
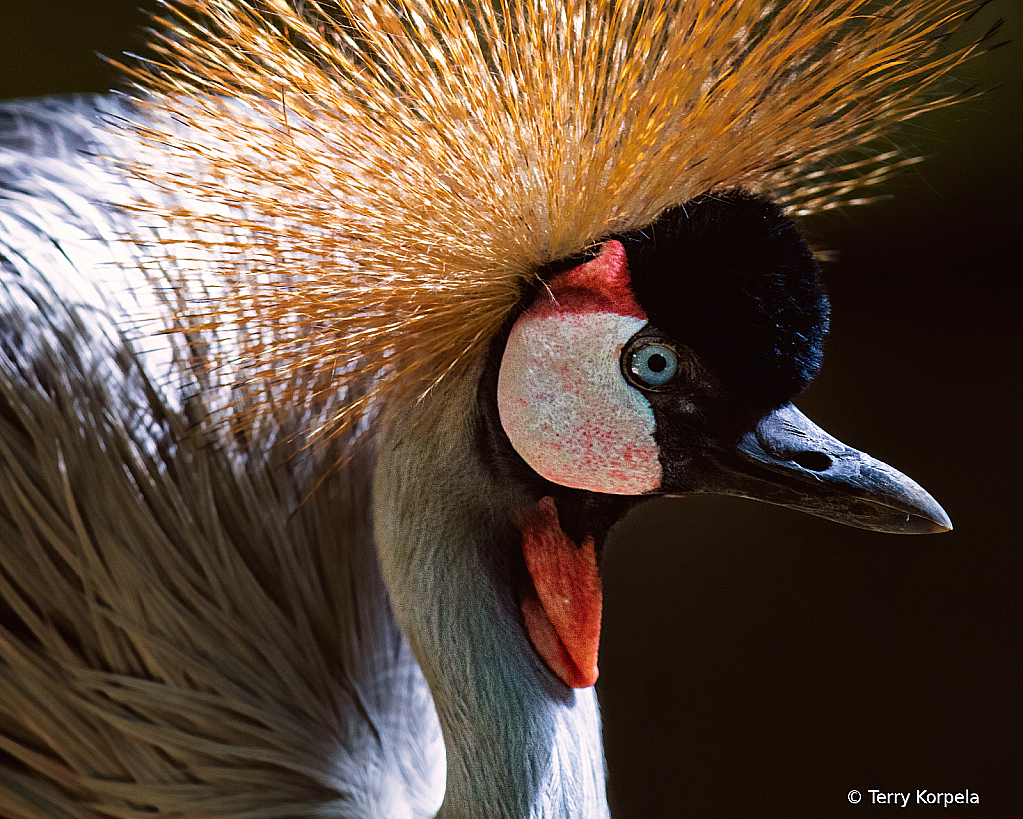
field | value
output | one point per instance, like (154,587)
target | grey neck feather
(519,742)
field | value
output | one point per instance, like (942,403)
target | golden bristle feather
(365,190)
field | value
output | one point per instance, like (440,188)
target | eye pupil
(657,362)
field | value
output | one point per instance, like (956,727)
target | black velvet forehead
(730,276)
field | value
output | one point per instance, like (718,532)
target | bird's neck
(519,742)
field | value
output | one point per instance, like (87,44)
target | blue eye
(652,365)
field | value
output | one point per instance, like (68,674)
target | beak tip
(933,521)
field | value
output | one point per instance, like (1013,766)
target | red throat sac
(562,610)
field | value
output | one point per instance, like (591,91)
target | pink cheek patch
(563,401)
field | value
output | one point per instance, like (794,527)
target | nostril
(814,461)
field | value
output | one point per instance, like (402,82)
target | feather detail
(368,188)
(170,639)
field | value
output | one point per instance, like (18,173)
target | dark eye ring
(651,365)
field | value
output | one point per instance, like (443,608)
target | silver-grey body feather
(190,624)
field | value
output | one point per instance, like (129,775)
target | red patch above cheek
(602,285)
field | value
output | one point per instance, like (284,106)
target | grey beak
(790,461)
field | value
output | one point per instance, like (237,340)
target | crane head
(666,364)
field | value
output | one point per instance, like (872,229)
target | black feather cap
(731,277)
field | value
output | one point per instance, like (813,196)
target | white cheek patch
(568,411)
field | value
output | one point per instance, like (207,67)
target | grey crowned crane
(329,358)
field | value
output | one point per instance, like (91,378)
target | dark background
(756,661)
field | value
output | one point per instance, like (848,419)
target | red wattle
(563,618)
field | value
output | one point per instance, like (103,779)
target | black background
(759,662)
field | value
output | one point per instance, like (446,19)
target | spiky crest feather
(370,187)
